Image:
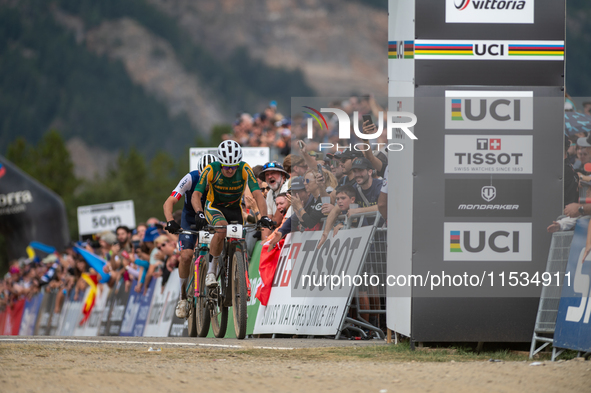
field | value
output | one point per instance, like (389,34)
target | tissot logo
(489,11)
(488,144)
(486,110)
(488,197)
(488,154)
(467,241)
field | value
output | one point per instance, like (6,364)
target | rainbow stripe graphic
(488,50)
(316,115)
(432,49)
(536,50)
(454,241)
(2,170)
(409,49)
(456,109)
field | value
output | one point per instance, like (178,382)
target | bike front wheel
(239,293)
(202,311)
(191,299)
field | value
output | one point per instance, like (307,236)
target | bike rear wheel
(239,293)
(191,300)
(202,311)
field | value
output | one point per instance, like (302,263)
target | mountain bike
(210,305)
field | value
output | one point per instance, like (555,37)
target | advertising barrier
(120,299)
(298,304)
(72,312)
(163,305)
(29,319)
(116,312)
(10,319)
(573,322)
(45,313)
(92,325)
(136,314)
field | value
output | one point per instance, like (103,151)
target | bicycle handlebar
(212,228)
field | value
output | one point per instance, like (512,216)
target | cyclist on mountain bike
(227,180)
(186,242)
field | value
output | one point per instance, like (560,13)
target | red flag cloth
(267,267)
(12,321)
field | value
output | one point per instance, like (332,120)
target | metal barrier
(367,305)
(550,297)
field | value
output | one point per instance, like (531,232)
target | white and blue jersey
(186,187)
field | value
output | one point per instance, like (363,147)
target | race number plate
(205,237)
(234,230)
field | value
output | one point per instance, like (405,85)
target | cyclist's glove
(200,221)
(173,227)
(266,222)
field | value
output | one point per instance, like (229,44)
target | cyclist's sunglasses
(230,167)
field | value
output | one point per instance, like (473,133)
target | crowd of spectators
(142,253)
(270,128)
(313,190)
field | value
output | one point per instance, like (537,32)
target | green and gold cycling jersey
(226,191)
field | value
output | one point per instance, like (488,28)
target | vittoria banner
(489,11)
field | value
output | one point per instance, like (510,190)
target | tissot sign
(486,241)
(509,154)
(489,11)
(486,110)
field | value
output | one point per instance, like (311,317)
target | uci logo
(498,241)
(479,109)
(487,241)
(489,49)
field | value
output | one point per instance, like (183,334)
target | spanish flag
(92,281)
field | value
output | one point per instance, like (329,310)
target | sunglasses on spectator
(265,188)
(307,181)
(271,165)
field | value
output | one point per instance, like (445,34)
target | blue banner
(137,311)
(573,327)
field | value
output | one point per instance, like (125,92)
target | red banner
(10,320)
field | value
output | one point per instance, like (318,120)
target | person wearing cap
(275,176)
(347,157)
(368,188)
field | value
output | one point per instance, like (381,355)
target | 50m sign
(105,217)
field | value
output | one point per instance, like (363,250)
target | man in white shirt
(276,177)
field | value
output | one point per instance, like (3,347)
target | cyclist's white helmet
(229,153)
(205,160)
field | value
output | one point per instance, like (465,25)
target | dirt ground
(55,367)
